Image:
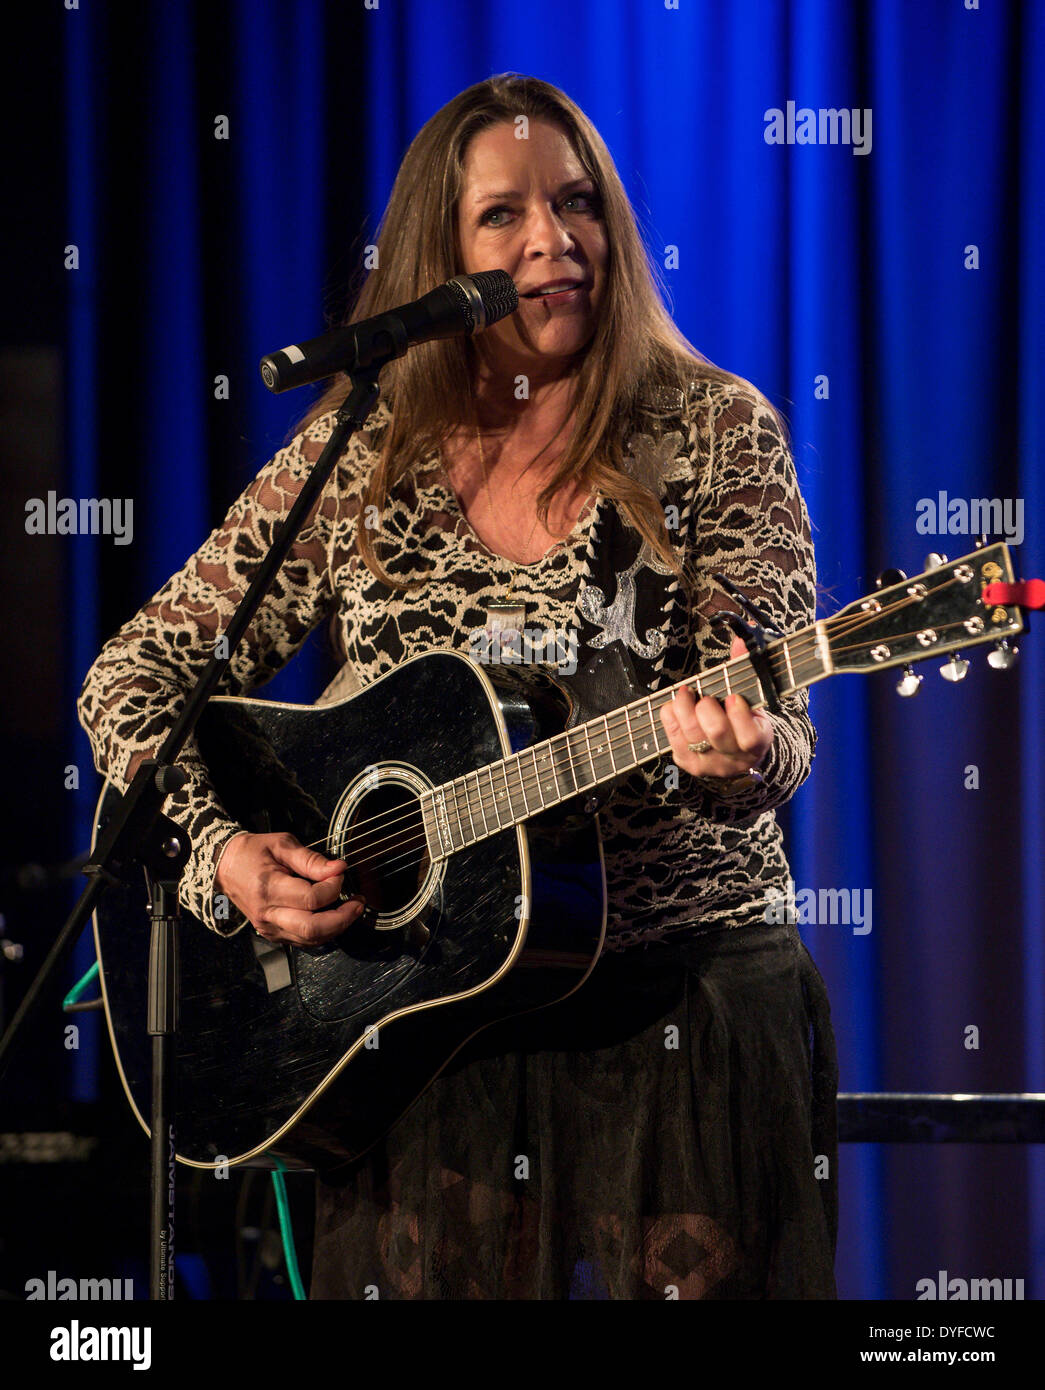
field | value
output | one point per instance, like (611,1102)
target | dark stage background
(890,300)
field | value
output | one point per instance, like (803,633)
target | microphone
(465,304)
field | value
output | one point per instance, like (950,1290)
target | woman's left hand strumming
(738,736)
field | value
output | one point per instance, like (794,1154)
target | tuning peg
(1003,655)
(934,560)
(909,682)
(956,669)
(888,578)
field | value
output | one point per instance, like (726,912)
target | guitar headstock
(934,613)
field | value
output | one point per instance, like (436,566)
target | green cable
(285,1228)
(80,986)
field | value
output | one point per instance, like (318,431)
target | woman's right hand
(286,891)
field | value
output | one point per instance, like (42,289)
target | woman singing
(668,1129)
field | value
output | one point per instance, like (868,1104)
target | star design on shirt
(654,464)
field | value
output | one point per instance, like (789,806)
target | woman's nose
(548,233)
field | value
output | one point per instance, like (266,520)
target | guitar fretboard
(503,793)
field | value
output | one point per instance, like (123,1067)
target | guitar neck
(504,793)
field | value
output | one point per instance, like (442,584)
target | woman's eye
(589,202)
(493,212)
(584,202)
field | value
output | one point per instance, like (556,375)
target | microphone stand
(139,834)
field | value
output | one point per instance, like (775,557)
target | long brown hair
(636,351)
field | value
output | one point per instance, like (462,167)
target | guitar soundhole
(384,845)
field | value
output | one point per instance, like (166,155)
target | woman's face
(528,207)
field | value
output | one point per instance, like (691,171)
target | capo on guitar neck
(760,619)
(754,635)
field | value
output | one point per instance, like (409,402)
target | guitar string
(416,815)
(367,849)
(618,739)
(798,653)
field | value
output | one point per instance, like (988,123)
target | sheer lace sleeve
(136,686)
(750,523)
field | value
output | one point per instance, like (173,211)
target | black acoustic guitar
(460,795)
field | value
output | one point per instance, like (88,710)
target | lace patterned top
(680,859)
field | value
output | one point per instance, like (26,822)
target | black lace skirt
(666,1132)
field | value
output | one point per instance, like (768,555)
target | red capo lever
(1025,593)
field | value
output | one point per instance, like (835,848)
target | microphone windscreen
(495,288)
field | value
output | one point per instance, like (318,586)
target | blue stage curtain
(889,299)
